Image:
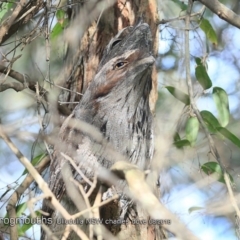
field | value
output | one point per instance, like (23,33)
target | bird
(116,104)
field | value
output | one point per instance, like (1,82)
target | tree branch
(194,108)
(141,192)
(8,28)
(212,146)
(8,22)
(11,207)
(12,85)
(222,11)
(20,78)
(41,183)
(26,83)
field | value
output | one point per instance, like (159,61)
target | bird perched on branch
(116,103)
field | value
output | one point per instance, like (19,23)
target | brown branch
(8,22)
(222,11)
(192,16)
(41,183)
(25,14)
(11,207)
(231,195)
(18,76)
(12,85)
(212,146)
(194,108)
(141,192)
(26,83)
(21,78)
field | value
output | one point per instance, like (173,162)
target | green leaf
(35,161)
(227,134)
(4,9)
(195,208)
(209,31)
(30,222)
(21,208)
(181,4)
(202,75)
(176,137)
(182,143)
(210,121)
(60,15)
(198,61)
(220,98)
(214,167)
(183,97)
(191,130)
(57,30)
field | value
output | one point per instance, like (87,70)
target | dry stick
(11,210)
(222,206)
(20,78)
(141,192)
(94,185)
(41,183)
(30,205)
(96,213)
(12,85)
(38,5)
(76,168)
(213,148)
(85,197)
(25,14)
(30,84)
(90,210)
(222,11)
(96,206)
(101,232)
(200,12)
(47,42)
(11,207)
(6,74)
(8,23)
(232,198)
(66,233)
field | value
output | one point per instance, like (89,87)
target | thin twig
(96,206)
(222,11)
(230,192)
(200,12)
(41,183)
(30,205)
(96,212)
(190,87)
(11,207)
(8,23)
(212,146)
(76,168)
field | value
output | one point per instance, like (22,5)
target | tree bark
(83,64)
(90,50)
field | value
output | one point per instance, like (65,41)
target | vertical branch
(11,207)
(194,108)
(187,54)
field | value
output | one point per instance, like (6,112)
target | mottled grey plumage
(117,103)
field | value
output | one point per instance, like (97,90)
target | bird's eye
(119,65)
(116,42)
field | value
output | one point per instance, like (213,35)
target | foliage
(27,51)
